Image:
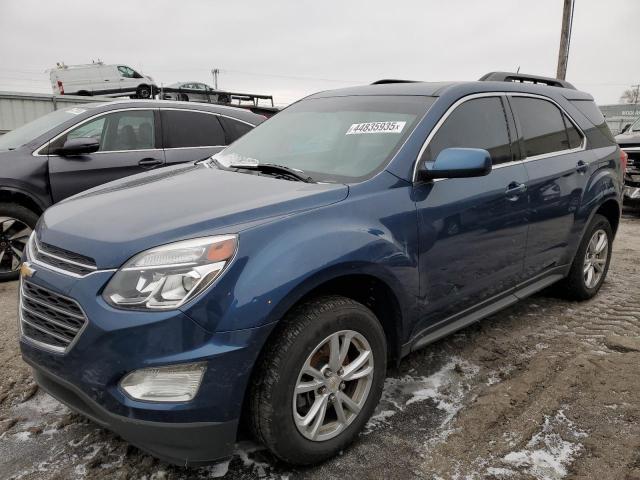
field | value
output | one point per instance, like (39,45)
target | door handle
(582,167)
(149,162)
(514,190)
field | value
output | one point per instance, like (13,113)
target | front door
(472,230)
(129,144)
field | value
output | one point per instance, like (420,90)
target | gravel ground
(547,389)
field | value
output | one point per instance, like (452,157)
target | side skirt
(483,310)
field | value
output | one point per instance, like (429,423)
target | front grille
(49,319)
(60,259)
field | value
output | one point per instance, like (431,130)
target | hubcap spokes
(333,385)
(595,258)
(14,235)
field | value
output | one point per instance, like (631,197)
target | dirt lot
(547,389)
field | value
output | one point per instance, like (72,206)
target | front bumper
(632,193)
(187,444)
(115,342)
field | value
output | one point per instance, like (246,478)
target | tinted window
(129,130)
(191,129)
(479,123)
(234,129)
(593,113)
(542,126)
(575,138)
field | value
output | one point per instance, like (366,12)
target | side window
(91,129)
(234,129)
(543,126)
(126,71)
(575,138)
(479,123)
(128,130)
(191,129)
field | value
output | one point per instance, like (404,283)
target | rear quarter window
(590,110)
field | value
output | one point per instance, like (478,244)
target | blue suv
(271,284)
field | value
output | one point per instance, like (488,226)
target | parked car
(276,281)
(194,92)
(100,79)
(629,141)
(70,150)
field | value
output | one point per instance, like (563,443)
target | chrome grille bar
(49,320)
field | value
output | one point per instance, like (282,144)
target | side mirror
(625,129)
(459,163)
(79,146)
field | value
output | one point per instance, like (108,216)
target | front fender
(279,263)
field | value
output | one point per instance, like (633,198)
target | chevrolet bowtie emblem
(26,271)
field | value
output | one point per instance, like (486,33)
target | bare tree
(632,95)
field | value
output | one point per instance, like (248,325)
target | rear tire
(16,224)
(183,97)
(282,395)
(590,265)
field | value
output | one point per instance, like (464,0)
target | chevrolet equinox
(271,284)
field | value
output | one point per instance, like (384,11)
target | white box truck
(101,79)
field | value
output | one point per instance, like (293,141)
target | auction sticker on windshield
(375,127)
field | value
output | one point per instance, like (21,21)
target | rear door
(558,167)
(190,135)
(129,144)
(472,230)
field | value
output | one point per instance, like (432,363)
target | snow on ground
(446,388)
(547,454)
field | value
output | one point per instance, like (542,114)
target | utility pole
(215,73)
(565,39)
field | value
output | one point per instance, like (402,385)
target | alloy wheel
(595,259)
(333,385)
(14,235)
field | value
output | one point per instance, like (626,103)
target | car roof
(239,113)
(436,89)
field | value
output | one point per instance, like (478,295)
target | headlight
(166,277)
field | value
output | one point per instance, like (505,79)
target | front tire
(16,225)
(319,380)
(144,91)
(591,263)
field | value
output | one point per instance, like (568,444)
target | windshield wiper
(273,168)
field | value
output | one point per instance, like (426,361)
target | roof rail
(385,81)
(524,78)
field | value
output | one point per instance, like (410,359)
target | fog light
(173,383)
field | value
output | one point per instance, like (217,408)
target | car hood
(113,222)
(631,139)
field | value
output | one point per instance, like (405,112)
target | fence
(17,108)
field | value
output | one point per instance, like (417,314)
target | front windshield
(336,139)
(636,126)
(32,130)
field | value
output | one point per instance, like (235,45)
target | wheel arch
(19,197)
(366,288)
(610,209)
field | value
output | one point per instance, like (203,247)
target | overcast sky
(295,47)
